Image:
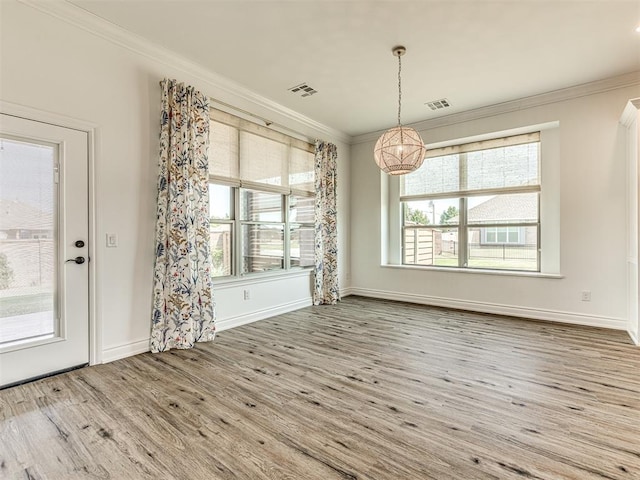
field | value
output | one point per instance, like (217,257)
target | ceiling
(474,53)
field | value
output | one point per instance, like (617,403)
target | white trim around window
(549,207)
(261,200)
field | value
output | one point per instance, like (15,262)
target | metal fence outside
(503,251)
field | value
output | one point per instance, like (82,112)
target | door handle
(78,260)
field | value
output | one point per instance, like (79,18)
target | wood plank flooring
(367,389)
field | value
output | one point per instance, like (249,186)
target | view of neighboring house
(502,233)
(26,234)
(509,209)
(19,221)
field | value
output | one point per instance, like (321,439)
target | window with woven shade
(262,196)
(475,205)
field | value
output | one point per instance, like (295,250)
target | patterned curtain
(183,306)
(326,290)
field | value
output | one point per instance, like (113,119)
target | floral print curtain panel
(326,290)
(183,306)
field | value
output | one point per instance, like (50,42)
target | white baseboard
(345,292)
(111,354)
(498,309)
(117,352)
(634,337)
(232,322)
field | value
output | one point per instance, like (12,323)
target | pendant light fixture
(399,150)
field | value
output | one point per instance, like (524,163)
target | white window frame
(237,184)
(549,205)
(237,238)
(463,226)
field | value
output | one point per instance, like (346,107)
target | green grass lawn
(23,304)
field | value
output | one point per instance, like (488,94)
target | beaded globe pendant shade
(399,150)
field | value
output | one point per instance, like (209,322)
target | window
(511,235)
(261,198)
(222,228)
(302,230)
(474,205)
(262,221)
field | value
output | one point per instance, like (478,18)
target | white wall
(51,65)
(592,223)
(630,121)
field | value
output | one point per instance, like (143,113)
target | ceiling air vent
(438,104)
(303,90)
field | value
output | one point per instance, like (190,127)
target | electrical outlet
(586,296)
(247,295)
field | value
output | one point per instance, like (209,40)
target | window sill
(475,271)
(253,278)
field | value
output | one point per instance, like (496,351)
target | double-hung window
(475,205)
(261,198)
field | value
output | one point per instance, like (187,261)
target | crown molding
(583,90)
(78,17)
(97,26)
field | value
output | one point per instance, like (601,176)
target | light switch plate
(112,240)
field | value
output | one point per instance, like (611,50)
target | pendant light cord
(399,88)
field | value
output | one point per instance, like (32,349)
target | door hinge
(56,173)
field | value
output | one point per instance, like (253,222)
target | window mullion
(287,233)
(462,211)
(462,233)
(403,234)
(539,238)
(239,244)
(237,234)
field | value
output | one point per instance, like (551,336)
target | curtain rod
(268,123)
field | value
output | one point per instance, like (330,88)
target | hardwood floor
(367,389)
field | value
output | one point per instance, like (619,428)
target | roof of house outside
(508,208)
(16,215)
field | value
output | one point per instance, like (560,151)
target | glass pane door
(28,241)
(44,249)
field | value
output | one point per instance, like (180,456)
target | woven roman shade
(503,165)
(246,154)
